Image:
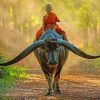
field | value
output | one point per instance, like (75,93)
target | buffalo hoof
(50,93)
(57,92)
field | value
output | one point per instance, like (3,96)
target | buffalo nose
(53,63)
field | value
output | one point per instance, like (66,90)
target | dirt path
(73,87)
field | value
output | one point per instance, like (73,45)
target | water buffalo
(51,50)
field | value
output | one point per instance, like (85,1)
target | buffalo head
(51,52)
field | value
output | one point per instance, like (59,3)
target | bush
(3,71)
(9,74)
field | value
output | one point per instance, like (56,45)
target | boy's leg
(65,37)
(39,33)
(61,32)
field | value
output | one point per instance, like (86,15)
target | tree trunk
(95,32)
(85,37)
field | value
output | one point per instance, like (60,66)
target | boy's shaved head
(48,7)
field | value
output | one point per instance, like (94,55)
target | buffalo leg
(56,84)
(49,78)
(56,81)
(50,84)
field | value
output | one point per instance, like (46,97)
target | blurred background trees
(20,19)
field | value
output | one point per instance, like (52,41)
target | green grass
(6,84)
(8,75)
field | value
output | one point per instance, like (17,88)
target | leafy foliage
(8,75)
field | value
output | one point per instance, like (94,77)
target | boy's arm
(57,19)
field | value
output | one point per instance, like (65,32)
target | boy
(50,21)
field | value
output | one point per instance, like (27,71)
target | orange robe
(49,21)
